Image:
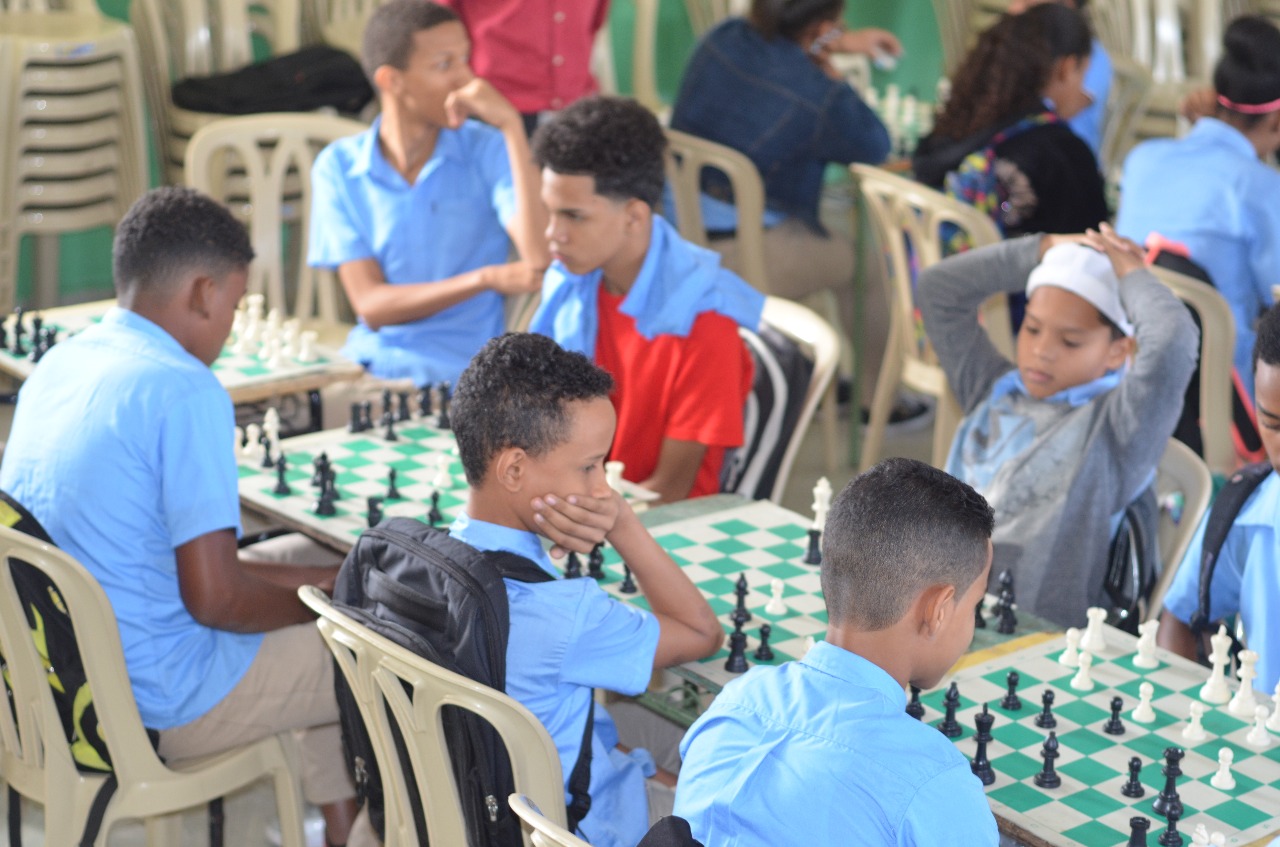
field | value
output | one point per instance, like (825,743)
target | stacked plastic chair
(74,155)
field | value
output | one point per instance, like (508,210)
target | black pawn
(331,482)
(1008,620)
(950,727)
(737,661)
(1133,788)
(1012,702)
(402,406)
(393,493)
(1114,726)
(740,613)
(1169,804)
(387,408)
(433,516)
(981,765)
(1048,778)
(628,585)
(1171,837)
(424,400)
(813,556)
(321,468)
(1138,831)
(282,486)
(267,460)
(39,349)
(764,652)
(573,567)
(389,427)
(375,510)
(595,562)
(37,324)
(366,416)
(979,619)
(914,707)
(324,506)
(1046,720)
(357,420)
(18,330)
(4,337)
(443,420)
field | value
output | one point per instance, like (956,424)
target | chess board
(1088,809)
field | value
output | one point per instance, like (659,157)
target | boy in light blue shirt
(534,424)
(821,751)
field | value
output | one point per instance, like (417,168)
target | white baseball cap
(1086,273)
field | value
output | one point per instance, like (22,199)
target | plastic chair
(1180,472)
(704,14)
(260,165)
(907,220)
(544,832)
(1217,346)
(35,757)
(1126,105)
(337,22)
(81,7)
(397,688)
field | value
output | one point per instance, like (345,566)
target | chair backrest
(704,14)
(337,22)
(544,833)
(1184,487)
(81,7)
(687,157)
(1217,345)
(1127,103)
(397,688)
(260,165)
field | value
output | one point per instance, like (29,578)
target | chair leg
(164,830)
(216,822)
(831,428)
(15,818)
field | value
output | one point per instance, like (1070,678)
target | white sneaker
(312,829)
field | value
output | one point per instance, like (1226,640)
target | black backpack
(445,601)
(312,78)
(1134,562)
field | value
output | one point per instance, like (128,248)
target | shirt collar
(121,317)
(491,536)
(1076,395)
(369,159)
(856,670)
(1220,132)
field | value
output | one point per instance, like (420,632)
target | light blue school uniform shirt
(821,751)
(1088,122)
(1209,191)
(122,447)
(1246,579)
(451,220)
(567,637)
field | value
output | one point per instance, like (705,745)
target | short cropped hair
(613,139)
(790,18)
(894,531)
(388,36)
(173,229)
(514,393)
(1266,344)
(1249,70)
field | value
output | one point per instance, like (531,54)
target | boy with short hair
(534,424)
(418,214)
(122,448)
(1063,440)
(658,313)
(1246,577)
(821,751)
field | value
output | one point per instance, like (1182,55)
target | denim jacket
(768,100)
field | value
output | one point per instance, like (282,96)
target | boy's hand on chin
(578,522)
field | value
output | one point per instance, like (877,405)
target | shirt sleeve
(1183,596)
(968,818)
(198,466)
(710,387)
(490,155)
(612,645)
(848,131)
(336,236)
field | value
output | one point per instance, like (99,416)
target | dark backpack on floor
(312,78)
(445,601)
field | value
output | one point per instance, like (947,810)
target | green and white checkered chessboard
(1088,809)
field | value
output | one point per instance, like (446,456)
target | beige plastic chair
(1180,472)
(704,14)
(337,22)
(644,44)
(541,831)
(393,686)
(35,757)
(1126,105)
(1217,346)
(260,165)
(907,218)
(81,7)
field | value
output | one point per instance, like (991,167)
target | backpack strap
(1226,508)
(15,516)
(1029,122)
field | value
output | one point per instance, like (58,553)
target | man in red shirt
(657,312)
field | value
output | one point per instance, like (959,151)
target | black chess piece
(1133,788)
(1012,702)
(1171,837)
(433,516)
(321,468)
(268,461)
(402,406)
(40,347)
(324,506)
(981,765)
(357,421)
(764,653)
(1008,620)
(331,480)
(1006,580)
(37,324)
(366,416)
(375,510)
(4,337)
(393,493)
(387,408)
(1114,726)
(737,661)
(19,329)
(442,421)
(572,567)
(740,613)
(1138,827)
(424,400)
(389,427)
(1168,803)
(1048,778)
(979,620)
(282,485)
(813,556)
(950,727)
(595,562)
(1046,720)
(628,585)
(914,707)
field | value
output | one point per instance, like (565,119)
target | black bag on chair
(312,78)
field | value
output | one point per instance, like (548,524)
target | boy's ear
(510,468)
(1119,351)
(933,608)
(199,290)
(387,79)
(638,213)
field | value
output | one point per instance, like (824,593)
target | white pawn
(821,502)
(1258,736)
(442,480)
(1216,691)
(1273,722)
(252,445)
(306,347)
(1194,730)
(275,353)
(1244,701)
(613,474)
(1200,836)
(289,346)
(1143,713)
(273,321)
(271,424)
(1095,639)
(1217,839)
(1071,655)
(1146,656)
(1082,681)
(775,606)
(1223,780)
(237,323)
(244,344)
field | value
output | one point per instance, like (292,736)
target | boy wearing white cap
(1063,440)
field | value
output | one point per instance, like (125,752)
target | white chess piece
(271,423)
(1194,730)
(1146,655)
(237,324)
(273,321)
(1071,655)
(1273,722)
(244,344)
(1095,639)
(239,440)
(275,353)
(1216,691)
(289,339)
(613,474)
(1244,701)
(1258,736)
(1223,780)
(1082,681)
(306,347)
(252,447)
(1200,836)
(1143,713)
(808,644)
(821,502)
(1217,839)
(775,606)
(442,480)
